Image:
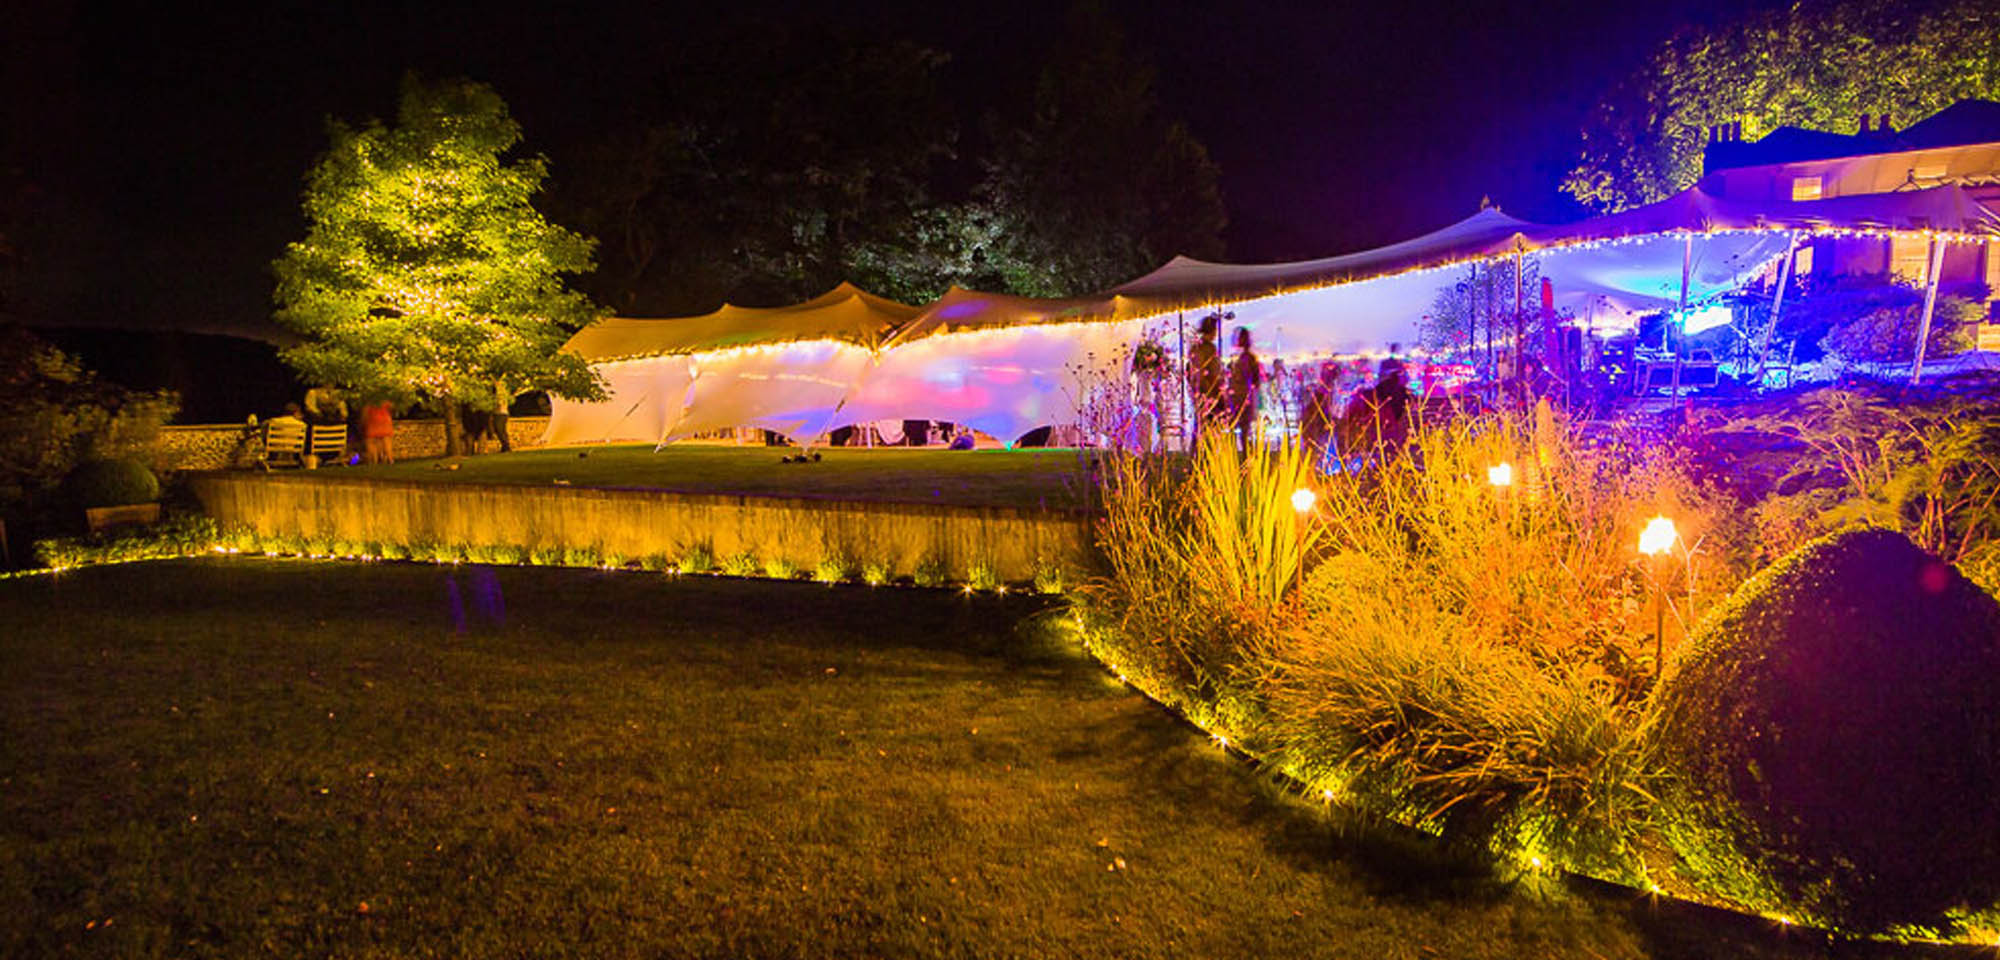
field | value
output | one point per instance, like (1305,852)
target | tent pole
(1520,323)
(1181,391)
(1777,305)
(1930,305)
(1680,316)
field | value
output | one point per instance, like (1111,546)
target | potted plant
(114,493)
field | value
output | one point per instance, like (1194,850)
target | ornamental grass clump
(1461,634)
(1202,556)
(1376,695)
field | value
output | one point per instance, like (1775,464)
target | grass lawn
(254,757)
(1017,478)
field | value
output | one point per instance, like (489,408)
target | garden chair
(327,442)
(284,443)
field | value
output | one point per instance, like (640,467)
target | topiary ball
(1833,739)
(111,483)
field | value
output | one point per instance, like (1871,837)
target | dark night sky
(177,138)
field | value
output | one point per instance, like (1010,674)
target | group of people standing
(1225,396)
(1374,422)
(374,424)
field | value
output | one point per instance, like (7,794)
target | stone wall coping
(690,497)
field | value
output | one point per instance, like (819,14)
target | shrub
(111,483)
(1049,577)
(741,565)
(697,558)
(835,568)
(1835,739)
(874,573)
(931,572)
(182,536)
(54,414)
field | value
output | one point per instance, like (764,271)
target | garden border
(977,545)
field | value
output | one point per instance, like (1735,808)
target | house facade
(1958,145)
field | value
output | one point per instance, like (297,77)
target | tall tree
(1099,185)
(758,165)
(767,169)
(426,271)
(1817,64)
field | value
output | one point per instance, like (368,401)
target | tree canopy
(767,170)
(1818,64)
(426,271)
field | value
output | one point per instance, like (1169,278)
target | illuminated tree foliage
(1818,64)
(426,273)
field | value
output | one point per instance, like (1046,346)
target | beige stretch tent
(779,368)
(1007,364)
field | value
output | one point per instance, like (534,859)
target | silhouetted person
(1246,377)
(1378,418)
(1204,373)
(1318,412)
(378,432)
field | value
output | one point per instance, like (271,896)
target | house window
(1803,265)
(1909,258)
(1992,278)
(1807,188)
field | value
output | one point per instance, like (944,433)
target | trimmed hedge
(1834,737)
(111,483)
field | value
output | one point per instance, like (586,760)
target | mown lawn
(1017,478)
(286,758)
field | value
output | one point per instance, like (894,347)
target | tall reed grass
(1470,656)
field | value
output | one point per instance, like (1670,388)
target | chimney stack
(1864,123)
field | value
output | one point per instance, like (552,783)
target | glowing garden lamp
(1500,475)
(1658,537)
(1654,541)
(1303,499)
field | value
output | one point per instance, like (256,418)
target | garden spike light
(1501,475)
(1655,541)
(1658,537)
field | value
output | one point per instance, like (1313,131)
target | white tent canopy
(780,368)
(1006,365)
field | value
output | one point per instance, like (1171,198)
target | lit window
(1807,188)
(1909,258)
(1803,265)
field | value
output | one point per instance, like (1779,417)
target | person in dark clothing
(1246,379)
(1319,412)
(1204,374)
(1378,418)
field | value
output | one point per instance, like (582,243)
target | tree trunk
(454,428)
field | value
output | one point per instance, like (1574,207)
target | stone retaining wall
(956,543)
(218,446)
